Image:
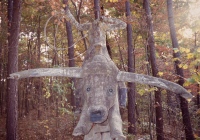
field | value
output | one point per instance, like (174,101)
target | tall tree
(70,55)
(70,49)
(97,9)
(78,12)
(131,68)
(2,42)
(197,86)
(154,68)
(196,68)
(38,83)
(179,72)
(1,83)
(12,95)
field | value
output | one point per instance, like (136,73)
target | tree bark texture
(10,11)
(70,55)
(198,98)
(12,97)
(1,73)
(179,72)
(131,68)
(97,9)
(197,86)
(197,69)
(38,83)
(158,101)
(70,50)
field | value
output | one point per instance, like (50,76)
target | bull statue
(98,83)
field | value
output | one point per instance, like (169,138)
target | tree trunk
(78,19)
(3,57)
(151,99)
(131,68)
(197,86)
(97,9)
(38,83)
(1,66)
(12,97)
(1,73)
(158,101)
(179,72)
(27,83)
(70,50)
(197,69)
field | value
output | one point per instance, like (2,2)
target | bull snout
(98,114)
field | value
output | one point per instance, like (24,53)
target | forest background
(44,104)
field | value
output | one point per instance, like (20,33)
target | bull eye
(88,89)
(110,92)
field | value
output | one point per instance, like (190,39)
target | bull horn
(73,72)
(153,81)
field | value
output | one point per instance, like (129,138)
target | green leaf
(191,80)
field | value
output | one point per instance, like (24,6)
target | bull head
(100,88)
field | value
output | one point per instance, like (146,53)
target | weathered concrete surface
(154,81)
(40,72)
(101,106)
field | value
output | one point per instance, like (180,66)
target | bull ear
(153,81)
(73,72)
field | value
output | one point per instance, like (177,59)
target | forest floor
(50,127)
(46,128)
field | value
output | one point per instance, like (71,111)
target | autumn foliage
(44,107)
